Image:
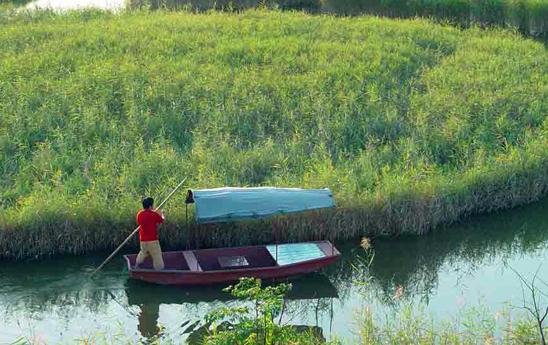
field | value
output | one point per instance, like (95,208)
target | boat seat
(191,261)
(234,258)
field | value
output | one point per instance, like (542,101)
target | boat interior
(234,258)
(238,258)
(172,261)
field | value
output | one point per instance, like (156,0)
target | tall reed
(410,123)
(528,16)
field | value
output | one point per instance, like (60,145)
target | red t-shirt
(147,220)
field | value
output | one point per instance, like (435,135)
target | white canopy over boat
(230,204)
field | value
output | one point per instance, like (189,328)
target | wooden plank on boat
(191,261)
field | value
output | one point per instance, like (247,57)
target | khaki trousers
(153,249)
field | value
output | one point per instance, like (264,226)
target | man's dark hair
(148,202)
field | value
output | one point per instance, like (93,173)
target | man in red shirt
(148,220)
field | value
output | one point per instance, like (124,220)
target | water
(457,267)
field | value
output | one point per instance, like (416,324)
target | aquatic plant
(256,324)
(407,323)
(475,326)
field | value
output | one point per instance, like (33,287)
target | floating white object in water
(61,5)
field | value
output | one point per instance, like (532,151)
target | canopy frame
(274,201)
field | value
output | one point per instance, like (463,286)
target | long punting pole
(137,229)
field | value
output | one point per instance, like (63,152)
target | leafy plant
(255,324)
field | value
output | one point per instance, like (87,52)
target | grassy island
(410,123)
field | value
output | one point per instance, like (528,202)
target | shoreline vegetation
(530,17)
(473,326)
(411,124)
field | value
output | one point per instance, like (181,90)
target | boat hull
(192,273)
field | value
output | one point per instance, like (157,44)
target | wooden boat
(221,265)
(224,265)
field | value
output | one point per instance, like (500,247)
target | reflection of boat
(218,265)
(138,293)
(149,297)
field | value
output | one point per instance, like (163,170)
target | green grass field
(410,123)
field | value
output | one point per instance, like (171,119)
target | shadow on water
(62,290)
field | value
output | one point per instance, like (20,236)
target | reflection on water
(148,320)
(499,238)
(316,289)
(446,270)
(314,286)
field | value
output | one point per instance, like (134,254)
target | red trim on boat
(186,267)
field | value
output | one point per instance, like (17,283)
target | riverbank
(449,273)
(410,123)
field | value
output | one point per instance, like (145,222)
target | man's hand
(161,212)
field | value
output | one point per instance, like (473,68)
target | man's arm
(161,216)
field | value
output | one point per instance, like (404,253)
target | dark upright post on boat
(187,228)
(333,236)
(332,241)
(275,234)
(189,200)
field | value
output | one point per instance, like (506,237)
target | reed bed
(530,17)
(411,124)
